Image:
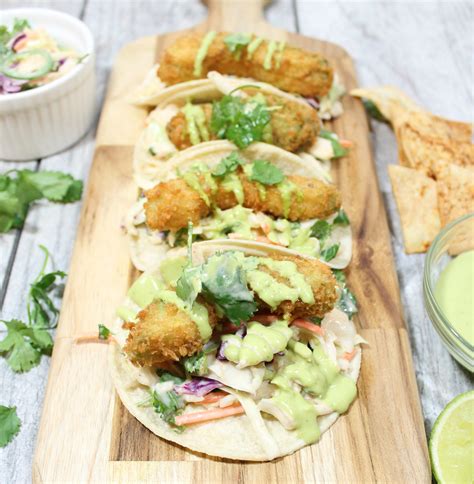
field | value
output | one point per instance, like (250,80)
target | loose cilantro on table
(236,42)
(337,148)
(266,173)
(228,165)
(224,283)
(347,302)
(373,111)
(25,343)
(9,424)
(19,191)
(239,121)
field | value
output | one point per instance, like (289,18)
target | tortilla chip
(422,150)
(416,198)
(455,191)
(390,101)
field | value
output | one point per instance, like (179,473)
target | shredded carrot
(309,326)
(346,143)
(212,397)
(214,414)
(264,318)
(93,338)
(349,355)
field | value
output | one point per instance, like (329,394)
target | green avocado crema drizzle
(195,123)
(202,52)
(320,378)
(147,289)
(273,292)
(253,46)
(231,183)
(279,55)
(271,48)
(259,344)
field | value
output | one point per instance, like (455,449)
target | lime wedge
(452,442)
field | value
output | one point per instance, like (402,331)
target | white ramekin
(50,118)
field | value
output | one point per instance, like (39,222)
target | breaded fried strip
(163,333)
(323,284)
(293,126)
(298,71)
(171,205)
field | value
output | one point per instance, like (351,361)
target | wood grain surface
(86,434)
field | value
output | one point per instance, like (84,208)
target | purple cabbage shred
(10,86)
(312,102)
(198,386)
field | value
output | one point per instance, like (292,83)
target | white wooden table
(425,48)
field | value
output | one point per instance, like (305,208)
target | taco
(263,194)
(237,352)
(240,110)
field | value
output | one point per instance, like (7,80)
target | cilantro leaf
(19,188)
(341,218)
(55,186)
(166,376)
(373,111)
(329,253)
(236,42)
(9,424)
(196,364)
(337,148)
(321,230)
(224,283)
(167,405)
(239,121)
(347,302)
(24,345)
(42,312)
(228,165)
(104,332)
(20,24)
(266,173)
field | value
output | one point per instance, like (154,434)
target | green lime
(452,441)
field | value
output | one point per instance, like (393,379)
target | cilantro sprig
(224,283)
(19,188)
(25,343)
(228,165)
(9,424)
(322,229)
(239,121)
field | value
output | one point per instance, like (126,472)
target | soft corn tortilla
(147,250)
(149,167)
(416,197)
(233,437)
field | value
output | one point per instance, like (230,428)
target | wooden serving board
(87,435)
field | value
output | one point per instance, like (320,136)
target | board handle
(235,15)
